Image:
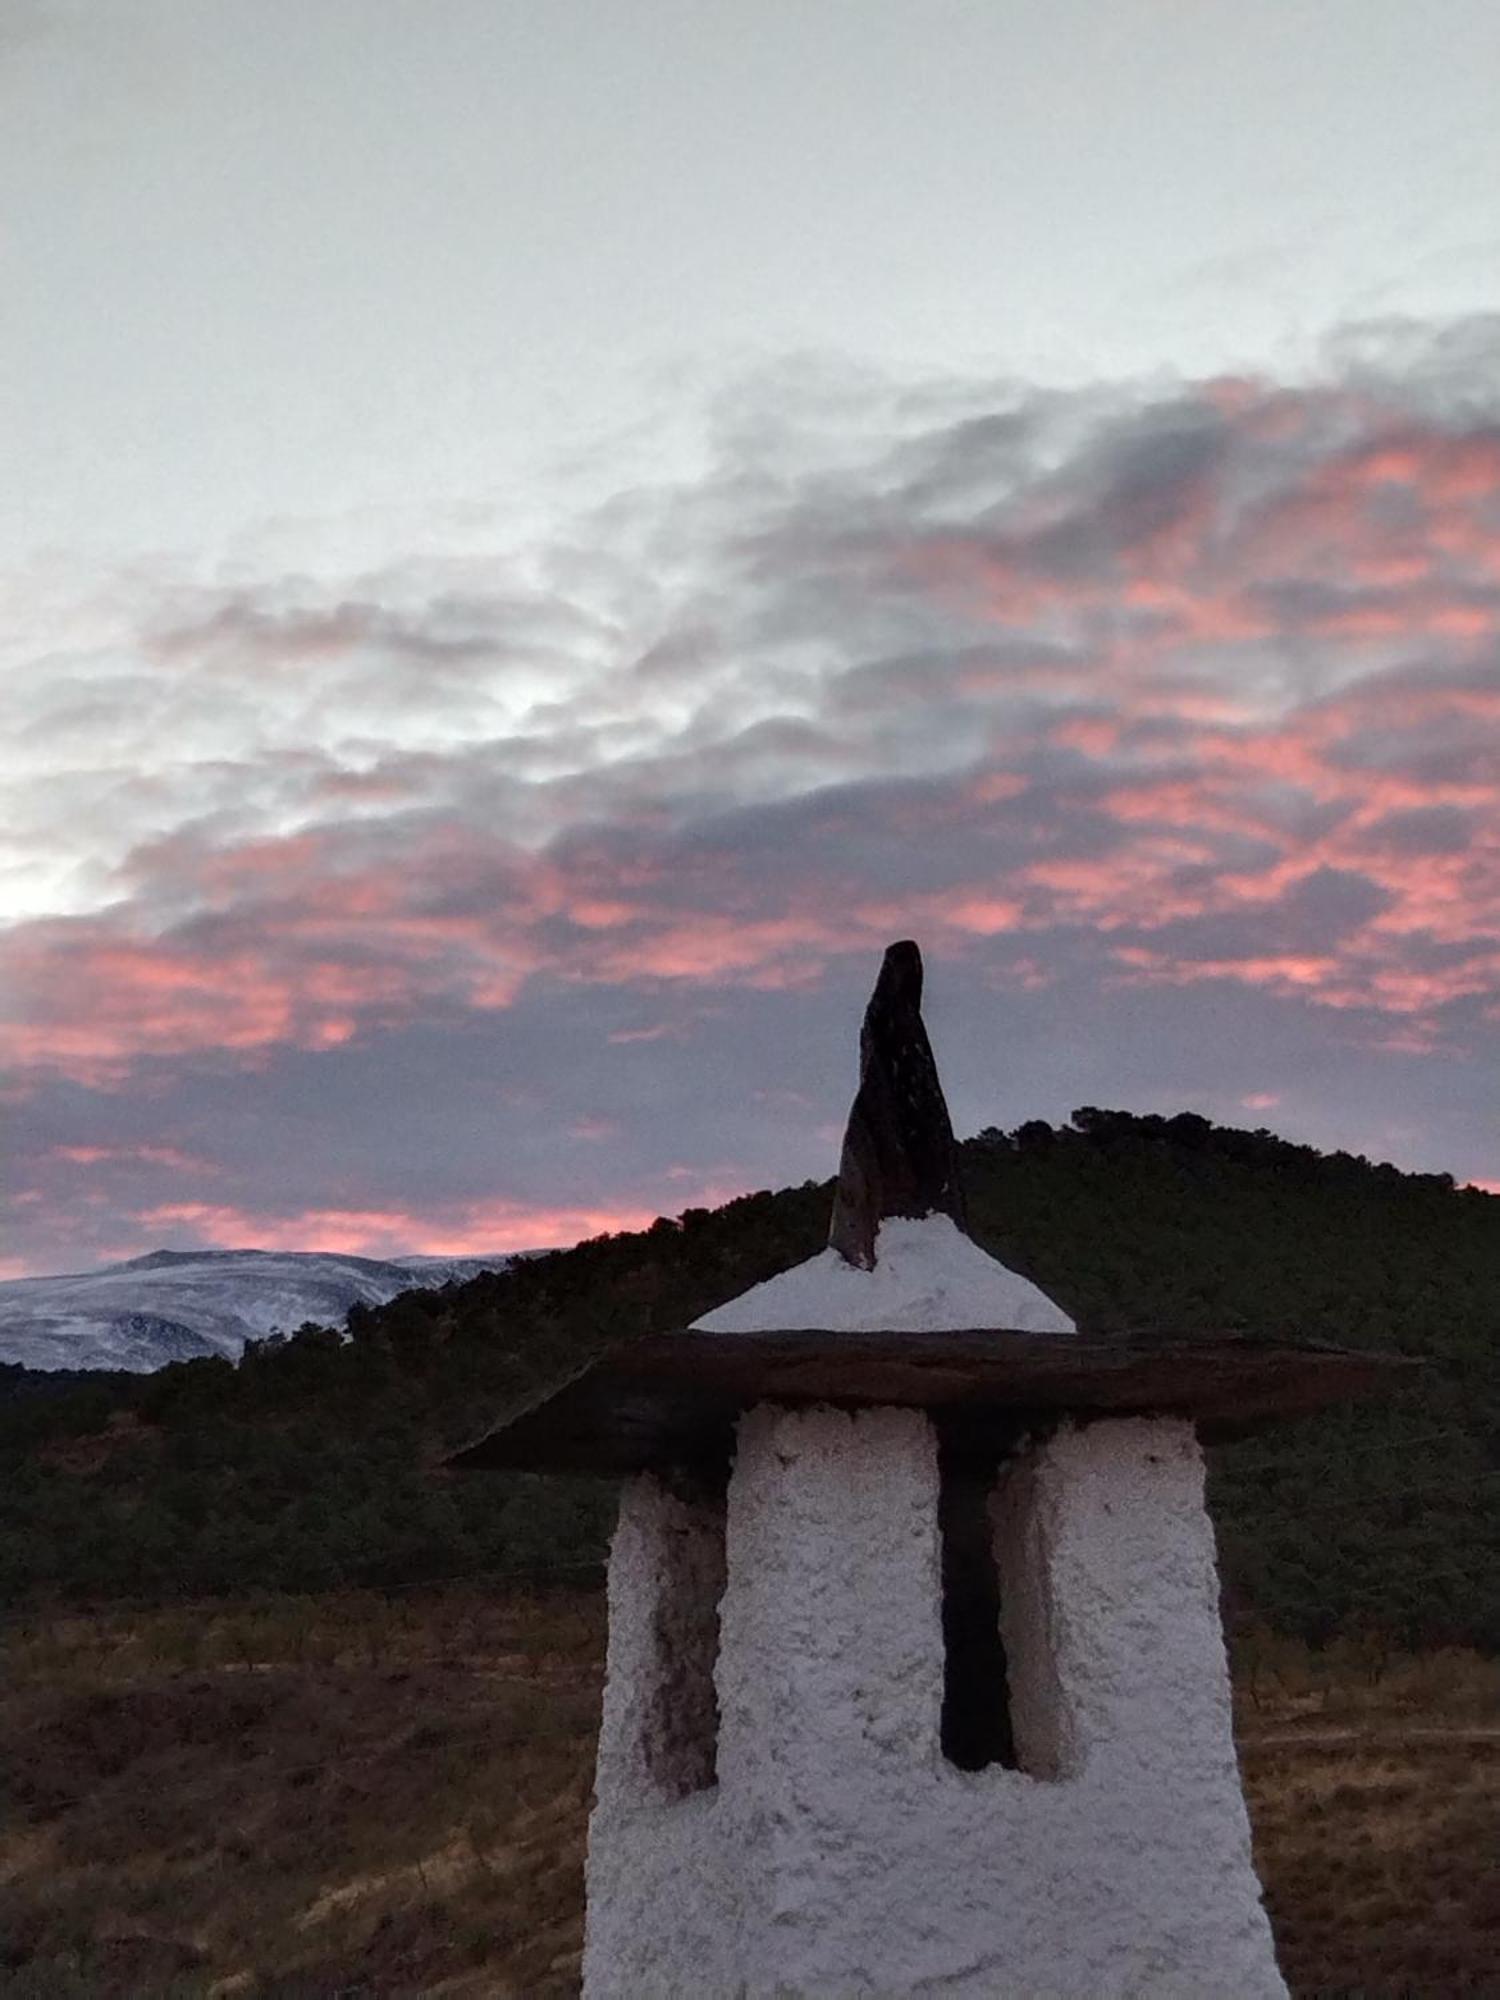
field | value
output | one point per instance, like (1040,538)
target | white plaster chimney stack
(916,1683)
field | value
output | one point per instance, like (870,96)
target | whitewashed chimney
(916,1682)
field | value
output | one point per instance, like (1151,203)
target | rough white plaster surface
(928,1276)
(661,1877)
(839,1854)
(659,1727)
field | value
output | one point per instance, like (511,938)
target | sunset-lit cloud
(497,1225)
(1128,703)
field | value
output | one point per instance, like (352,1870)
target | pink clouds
(130,1156)
(1284,974)
(1229,780)
(91,1004)
(1147,699)
(471,1230)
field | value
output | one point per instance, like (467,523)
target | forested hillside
(318,1460)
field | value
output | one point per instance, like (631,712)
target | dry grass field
(353,1796)
(340,1796)
(1374,1788)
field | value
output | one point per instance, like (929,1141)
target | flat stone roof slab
(674,1398)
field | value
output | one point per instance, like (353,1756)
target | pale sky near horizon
(536,537)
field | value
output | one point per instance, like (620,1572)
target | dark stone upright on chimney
(899,1155)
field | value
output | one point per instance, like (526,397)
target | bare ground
(347,1797)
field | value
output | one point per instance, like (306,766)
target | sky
(536,540)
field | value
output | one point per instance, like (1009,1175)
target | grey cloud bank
(518,887)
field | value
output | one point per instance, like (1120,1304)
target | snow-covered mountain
(174,1304)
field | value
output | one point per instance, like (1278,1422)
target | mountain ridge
(179,1305)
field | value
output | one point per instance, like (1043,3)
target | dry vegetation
(359,1796)
(315,1797)
(1374,1786)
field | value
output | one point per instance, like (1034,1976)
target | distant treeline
(317,1460)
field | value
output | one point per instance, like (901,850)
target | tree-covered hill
(317,1460)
